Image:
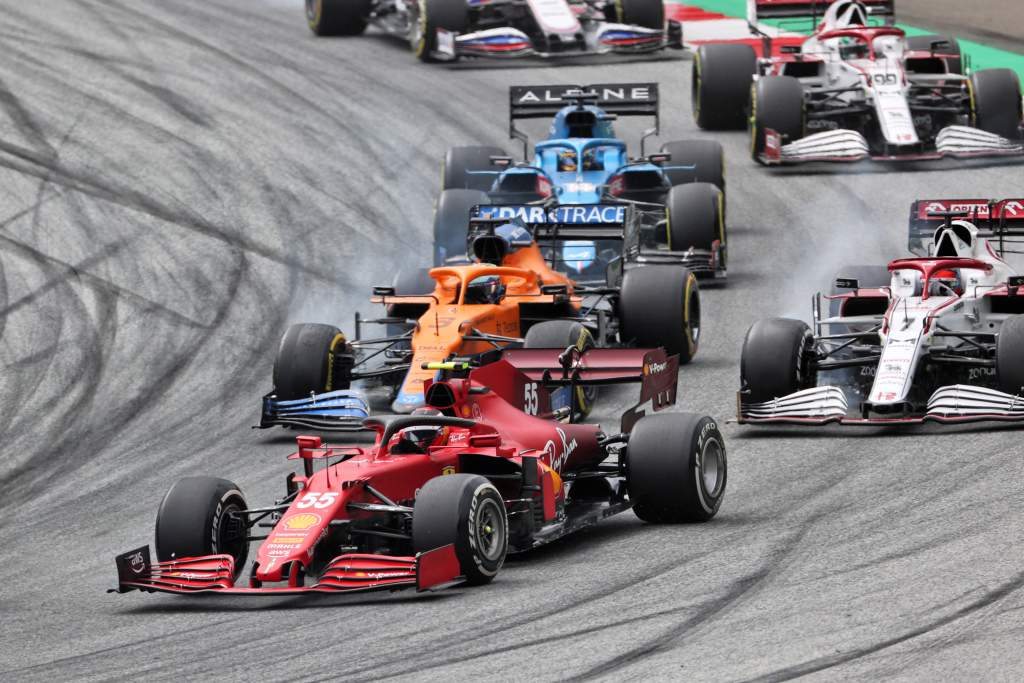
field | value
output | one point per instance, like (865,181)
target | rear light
(617,185)
(543,186)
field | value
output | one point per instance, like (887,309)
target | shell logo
(447,469)
(303,521)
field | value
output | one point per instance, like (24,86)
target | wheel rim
(712,465)
(693,318)
(231,534)
(490,531)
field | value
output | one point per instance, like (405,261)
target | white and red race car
(857,88)
(938,337)
(446,30)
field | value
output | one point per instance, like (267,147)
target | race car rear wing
(619,99)
(999,221)
(758,10)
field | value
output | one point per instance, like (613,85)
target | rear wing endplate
(1000,221)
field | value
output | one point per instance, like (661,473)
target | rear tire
(996,102)
(775,361)
(695,217)
(560,334)
(337,17)
(706,155)
(676,468)
(459,160)
(194,520)
(645,13)
(1010,356)
(451,15)
(451,222)
(777,102)
(464,510)
(722,74)
(660,306)
(304,360)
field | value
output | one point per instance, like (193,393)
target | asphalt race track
(181,179)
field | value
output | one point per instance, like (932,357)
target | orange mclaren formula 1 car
(511,296)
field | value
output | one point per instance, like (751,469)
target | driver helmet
(419,439)
(591,161)
(948,277)
(567,161)
(484,290)
(852,48)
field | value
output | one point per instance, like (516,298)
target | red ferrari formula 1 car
(441,498)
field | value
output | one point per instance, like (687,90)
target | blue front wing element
(334,410)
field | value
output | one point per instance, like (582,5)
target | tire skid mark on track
(988,599)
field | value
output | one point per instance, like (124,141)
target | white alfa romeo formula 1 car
(445,30)
(938,337)
(857,88)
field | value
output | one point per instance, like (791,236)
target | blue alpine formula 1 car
(582,162)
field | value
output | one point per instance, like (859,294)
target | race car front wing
(508,42)
(432,570)
(828,405)
(841,145)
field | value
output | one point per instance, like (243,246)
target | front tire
(722,75)
(695,217)
(676,468)
(776,103)
(450,15)
(459,160)
(195,519)
(337,17)
(304,363)
(660,306)
(645,13)
(561,334)
(464,510)
(1010,355)
(776,359)
(996,102)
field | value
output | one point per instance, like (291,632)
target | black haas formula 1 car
(938,337)
(445,30)
(442,496)
(856,90)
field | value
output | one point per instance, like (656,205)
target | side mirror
(789,49)
(1014,283)
(383,291)
(847,283)
(937,45)
(501,161)
(659,158)
(554,290)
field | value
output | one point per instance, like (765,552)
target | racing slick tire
(722,74)
(450,15)
(305,360)
(194,519)
(708,157)
(464,510)
(996,102)
(954,64)
(459,160)
(776,102)
(561,334)
(676,468)
(1010,355)
(337,17)
(644,13)
(776,360)
(660,306)
(695,217)
(451,222)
